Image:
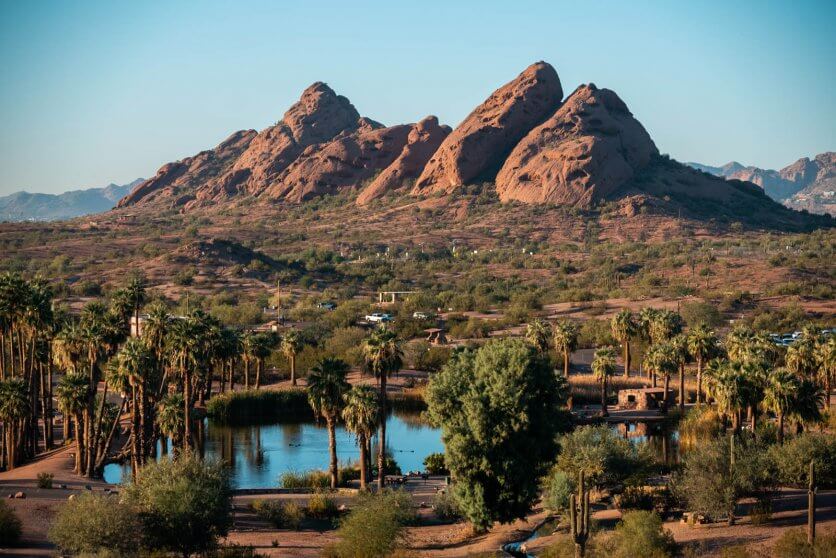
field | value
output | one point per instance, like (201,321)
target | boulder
(583,153)
(423,140)
(477,147)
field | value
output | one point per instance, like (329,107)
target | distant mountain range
(23,206)
(806,184)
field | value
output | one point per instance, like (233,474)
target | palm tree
(262,347)
(71,395)
(383,356)
(662,358)
(680,345)
(801,357)
(646,318)
(171,419)
(136,296)
(603,366)
(729,389)
(826,364)
(565,341)
(291,345)
(537,333)
(134,369)
(665,325)
(361,416)
(738,343)
(183,348)
(779,393)
(703,345)
(326,388)
(14,409)
(807,404)
(623,328)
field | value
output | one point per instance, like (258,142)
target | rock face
(477,147)
(585,152)
(177,181)
(423,140)
(318,116)
(345,162)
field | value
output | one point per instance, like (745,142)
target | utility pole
(278,303)
(811,506)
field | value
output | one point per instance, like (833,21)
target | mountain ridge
(26,206)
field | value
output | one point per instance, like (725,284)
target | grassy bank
(259,406)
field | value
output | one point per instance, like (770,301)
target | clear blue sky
(94,92)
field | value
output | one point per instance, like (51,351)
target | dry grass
(585,389)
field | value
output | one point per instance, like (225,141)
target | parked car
(423,315)
(326,306)
(379,318)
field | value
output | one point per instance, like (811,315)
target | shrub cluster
(254,406)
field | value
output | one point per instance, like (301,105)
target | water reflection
(662,440)
(258,455)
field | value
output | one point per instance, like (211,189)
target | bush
(281,515)
(259,406)
(321,506)
(793,544)
(92,522)
(434,464)
(607,459)
(184,505)
(636,498)
(309,479)
(375,526)
(559,487)
(695,313)
(45,480)
(792,460)
(10,526)
(445,506)
(640,533)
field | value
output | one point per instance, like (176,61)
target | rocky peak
(476,148)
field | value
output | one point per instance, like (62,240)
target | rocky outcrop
(345,162)
(476,148)
(423,140)
(318,116)
(178,180)
(584,152)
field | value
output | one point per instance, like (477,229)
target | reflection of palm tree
(326,387)
(361,416)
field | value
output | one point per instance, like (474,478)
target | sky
(98,92)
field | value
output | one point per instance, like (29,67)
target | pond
(259,454)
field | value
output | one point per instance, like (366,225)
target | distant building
(644,399)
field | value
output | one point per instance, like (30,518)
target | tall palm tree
(603,366)
(383,356)
(703,345)
(263,346)
(565,341)
(71,395)
(738,343)
(291,345)
(807,404)
(183,350)
(665,325)
(326,387)
(662,358)
(826,365)
(647,316)
(729,389)
(537,334)
(801,357)
(623,329)
(14,409)
(779,394)
(135,366)
(680,345)
(361,416)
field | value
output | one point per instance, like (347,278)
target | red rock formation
(588,149)
(423,140)
(175,180)
(477,147)
(345,162)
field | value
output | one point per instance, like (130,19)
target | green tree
(779,393)
(184,504)
(326,387)
(565,341)
(538,333)
(662,358)
(603,367)
(607,459)
(361,416)
(95,522)
(291,345)
(496,407)
(171,418)
(703,345)
(383,356)
(14,409)
(623,329)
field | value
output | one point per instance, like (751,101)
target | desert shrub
(281,515)
(640,533)
(347,473)
(321,506)
(595,333)
(445,506)
(635,498)
(558,488)
(607,459)
(761,511)
(92,522)
(307,479)
(793,544)
(433,359)
(45,480)
(10,526)
(695,313)
(792,460)
(434,464)
(184,505)
(375,526)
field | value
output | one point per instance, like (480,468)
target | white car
(422,315)
(379,318)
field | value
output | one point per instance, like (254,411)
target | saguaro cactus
(811,506)
(579,517)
